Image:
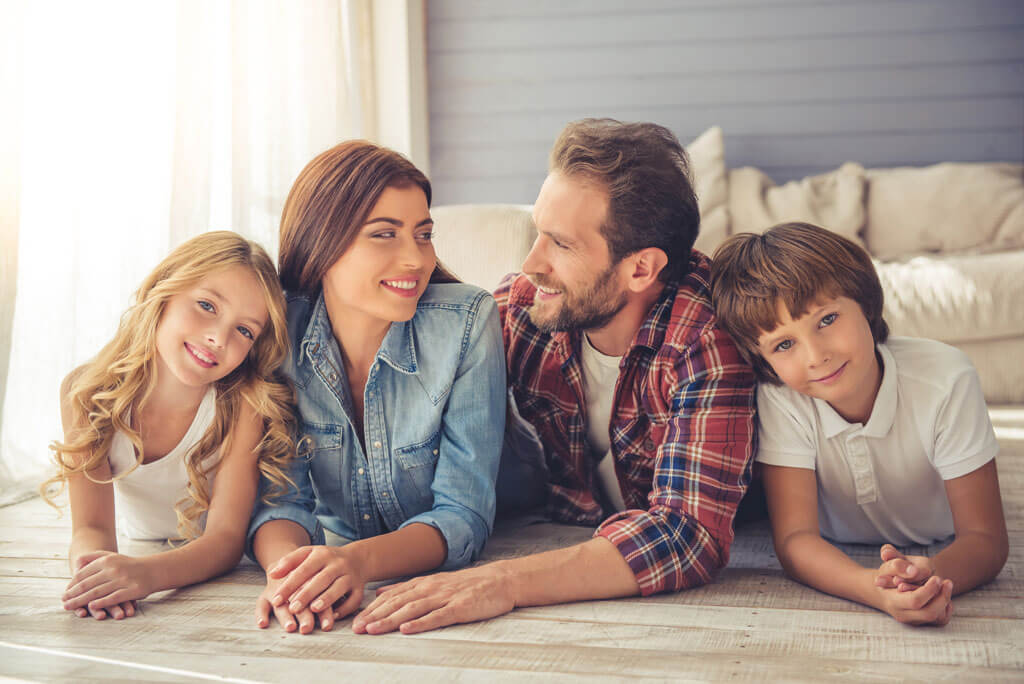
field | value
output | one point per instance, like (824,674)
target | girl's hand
(929,604)
(106,583)
(901,572)
(318,578)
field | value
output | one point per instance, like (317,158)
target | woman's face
(385,270)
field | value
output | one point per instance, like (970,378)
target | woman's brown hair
(797,264)
(328,203)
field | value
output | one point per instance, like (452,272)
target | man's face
(578,287)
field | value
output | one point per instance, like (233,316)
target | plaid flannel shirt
(682,430)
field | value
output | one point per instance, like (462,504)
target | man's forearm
(592,570)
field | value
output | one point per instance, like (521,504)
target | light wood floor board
(751,624)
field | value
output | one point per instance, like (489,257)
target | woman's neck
(359,337)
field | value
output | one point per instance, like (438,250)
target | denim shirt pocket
(414,474)
(323,446)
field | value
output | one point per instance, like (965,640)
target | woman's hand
(106,583)
(326,580)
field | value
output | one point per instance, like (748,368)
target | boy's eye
(246,332)
(205,305)
(828,320)
(784,345)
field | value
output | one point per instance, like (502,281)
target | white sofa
(948,242)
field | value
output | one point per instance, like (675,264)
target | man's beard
(590,309)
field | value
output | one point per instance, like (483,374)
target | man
(642,405)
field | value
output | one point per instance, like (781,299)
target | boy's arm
(792,499)
(981,546)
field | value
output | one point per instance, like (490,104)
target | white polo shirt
(883,481)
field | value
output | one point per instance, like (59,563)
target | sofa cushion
(955,298)
(833,200)
(711,184)
(945,208)
(480,243)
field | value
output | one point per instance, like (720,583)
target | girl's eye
(828,320)
(246,332)
(784,345)
(205,305)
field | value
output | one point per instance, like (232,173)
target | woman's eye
(828,320)
(387,234)
(427,235)
(784,345)
(246,332)
(205,305)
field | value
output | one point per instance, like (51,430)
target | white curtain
(129,127)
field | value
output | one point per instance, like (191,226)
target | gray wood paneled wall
(798,86)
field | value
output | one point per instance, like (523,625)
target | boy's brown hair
(797,263)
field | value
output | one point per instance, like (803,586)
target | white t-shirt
(145,498)
(883,481)
(600,373)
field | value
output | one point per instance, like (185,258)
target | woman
(400,385)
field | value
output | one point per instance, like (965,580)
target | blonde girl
(174,421)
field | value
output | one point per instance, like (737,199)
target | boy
(862,440)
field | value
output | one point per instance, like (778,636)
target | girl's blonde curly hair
(104,390)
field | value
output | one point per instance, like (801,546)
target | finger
(382,606)
(333,593)
(899,568)
(263,609)
(390,587)
(83,584)
(93,594)
(313,591)
(289,562)
(402,614)
(99,613)
(307,621)
(129,608)
(87,558)
(115,598)
(326,619)
(350,604)
(433,620)
(889,552)
(286,619)
(295,579)
(886,581)
(82,612)
(116,612)
(922,595)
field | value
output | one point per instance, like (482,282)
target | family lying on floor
(361,388)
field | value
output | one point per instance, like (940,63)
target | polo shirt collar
(883,413)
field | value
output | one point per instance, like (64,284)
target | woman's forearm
(410,550)
(276,538)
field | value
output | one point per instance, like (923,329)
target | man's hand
(902,572)
(106,583)
(449,598)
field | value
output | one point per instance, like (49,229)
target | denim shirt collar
(397,350)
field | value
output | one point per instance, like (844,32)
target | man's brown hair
(331,200)
(646,173)
(797,263)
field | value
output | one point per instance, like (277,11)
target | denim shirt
(434,417)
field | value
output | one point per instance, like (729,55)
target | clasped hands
(106,583)
(912,592)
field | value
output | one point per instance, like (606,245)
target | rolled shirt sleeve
(701,471)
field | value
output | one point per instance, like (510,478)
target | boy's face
(828,353)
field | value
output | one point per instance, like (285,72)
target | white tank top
(145,498)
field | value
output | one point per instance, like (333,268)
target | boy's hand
(323,579)
(929,604)
(106,583)
(902,572)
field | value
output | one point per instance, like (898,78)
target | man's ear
(645,265)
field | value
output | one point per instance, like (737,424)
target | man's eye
(828,320)
(205,305)
(246,332)
(784,345)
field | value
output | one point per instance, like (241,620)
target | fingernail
(317,605)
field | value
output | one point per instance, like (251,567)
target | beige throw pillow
(833,200)
(950,207)
(711,184)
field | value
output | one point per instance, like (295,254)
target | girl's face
(385,270)
(206,331)
(828,353)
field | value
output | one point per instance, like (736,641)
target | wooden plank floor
(752,624)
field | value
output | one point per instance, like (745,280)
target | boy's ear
(644,267)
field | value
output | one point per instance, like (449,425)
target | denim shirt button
(360,471)
(384,494)
(435,452)
(366,516)
(334,377)
(376,445)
